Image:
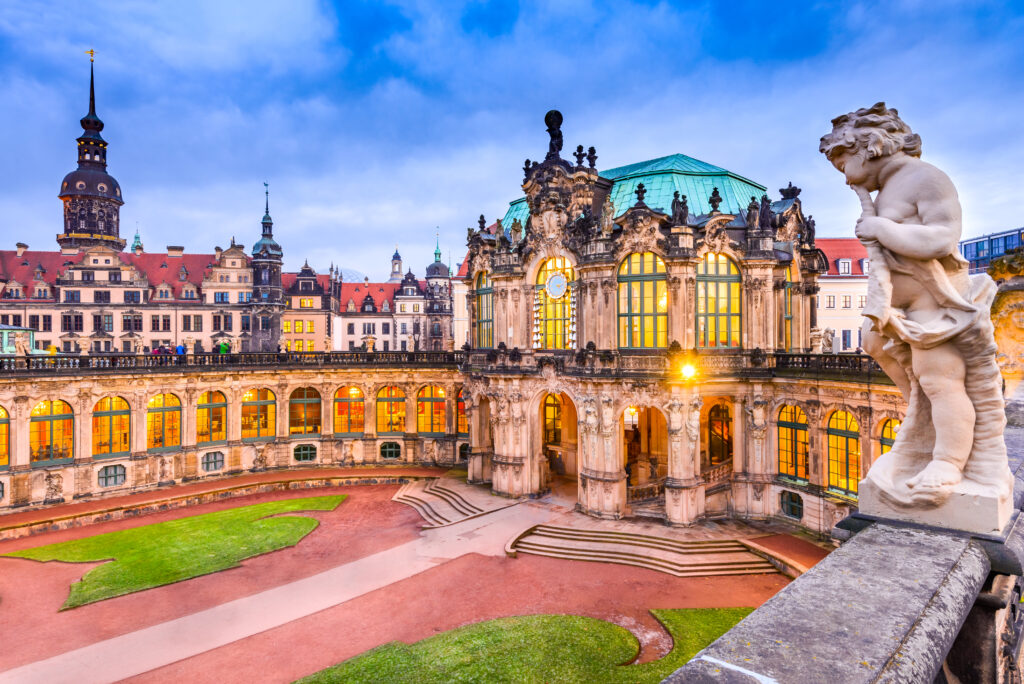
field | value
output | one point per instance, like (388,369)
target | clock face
(556,285)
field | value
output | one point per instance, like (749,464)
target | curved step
(453,499)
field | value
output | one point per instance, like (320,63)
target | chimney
(21,248)
(217,251)
(175,250)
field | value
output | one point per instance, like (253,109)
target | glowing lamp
(631,411)
(688,371)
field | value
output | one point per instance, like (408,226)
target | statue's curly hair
(877,129)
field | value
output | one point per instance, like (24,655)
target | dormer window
(182,273)
(844,266)
(385,306)
(865,266)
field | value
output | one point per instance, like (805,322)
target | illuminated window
(305,303)
(843,452)
(552,419)
(298,327)
(111,476)
(430,411)
(310,345)
(304,412)
(259,411)
(719,435)
(890,428)
(309,328)
(718,302)
(211,418)
(792,425)
(460,411)
(111,427)
(286,326)
(349,411)
(51,432)
(5,440)
(787,311)
(643,302)
(484,312)
(554,307)
(163,423)
(390,411)
(305,452)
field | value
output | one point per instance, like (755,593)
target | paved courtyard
(368,575)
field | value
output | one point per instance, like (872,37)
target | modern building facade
(844,291)
(980,251)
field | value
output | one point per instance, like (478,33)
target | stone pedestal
(970,507)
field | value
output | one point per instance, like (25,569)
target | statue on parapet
(928,327)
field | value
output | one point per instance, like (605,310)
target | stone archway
(643,432)
(557,440)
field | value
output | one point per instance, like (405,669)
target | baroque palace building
(641,342)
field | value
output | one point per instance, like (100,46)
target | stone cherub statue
(828,337)
(607,217)
(928,327)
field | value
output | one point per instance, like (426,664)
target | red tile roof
(843,248)
(22,269)
(322,279)
(464,267)
(380,292)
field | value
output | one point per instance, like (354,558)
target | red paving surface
(469,589)
(789,546)
(195,488)
(31,593)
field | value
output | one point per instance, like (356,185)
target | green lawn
(162,553)
(535,648)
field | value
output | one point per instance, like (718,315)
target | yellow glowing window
(304,412)
(718,302)
(554,309)
(719,435)
(460,409)
(51,432)
(5,438)
(259,411)
(843,452)
(298,326)
(286,326)
(310,345)
(793,442)
(211,418)
(552,419)
(890,428)
(787,311)
(349,411)
(484,312)
(390,411)
(305,303)
(309,326)
(163,422)
(643,302)
(431,415)
(111,427)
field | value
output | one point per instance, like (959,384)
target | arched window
(111,476)
(430,411)
(554,305)
(843,452)
(787,311)
(552,419)
(462,427)
(163,423)
(719,435)
(51,432)
(890,428)
(304,412)
(390,450)
(111,427)
(390,411)
(259,413)
(793,442)
(643,302)
(211,418)
(484,311)
(5,439)
(349,411)
(718,302)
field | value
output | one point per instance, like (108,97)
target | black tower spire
(91,196)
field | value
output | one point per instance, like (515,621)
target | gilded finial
(92,55)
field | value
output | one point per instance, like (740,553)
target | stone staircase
(445,501)
(672,556)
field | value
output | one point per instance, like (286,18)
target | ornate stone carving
(929,329)
(54,487)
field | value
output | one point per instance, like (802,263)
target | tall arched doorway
(645,458)
(559,445)
(481,440)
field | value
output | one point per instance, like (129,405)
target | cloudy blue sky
(376,122)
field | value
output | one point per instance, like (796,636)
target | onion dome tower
(267,291)
(92,198)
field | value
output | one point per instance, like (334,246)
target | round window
(101,187)
(80,185)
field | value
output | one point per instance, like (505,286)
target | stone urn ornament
(928,326)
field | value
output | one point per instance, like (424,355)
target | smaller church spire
(268,223)
(437,245)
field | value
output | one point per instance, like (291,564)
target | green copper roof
(664,176)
